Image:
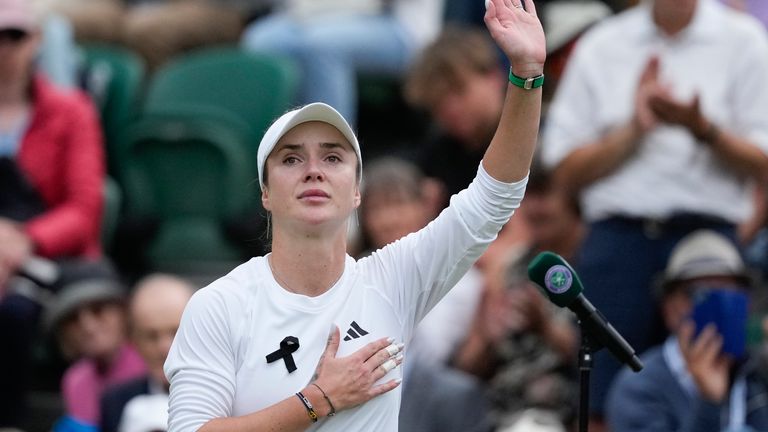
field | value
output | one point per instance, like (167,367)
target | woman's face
(311,178)
(96,330)
(389,217)
(17,51)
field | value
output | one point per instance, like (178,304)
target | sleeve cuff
(514,190)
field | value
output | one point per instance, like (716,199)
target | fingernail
(390,339)
(399,358)
(400,346)
(399,380)
(333,328)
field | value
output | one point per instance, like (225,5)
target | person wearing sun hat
(704,254)
(89,320)
(308,338)
(702,378)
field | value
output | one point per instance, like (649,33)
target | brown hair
(393,177)
(444,63)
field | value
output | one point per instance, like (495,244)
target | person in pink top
(90,323)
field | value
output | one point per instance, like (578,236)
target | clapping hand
(654,103)
(685,114)
(648,86)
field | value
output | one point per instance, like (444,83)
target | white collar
(674,359)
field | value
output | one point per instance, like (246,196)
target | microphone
(557,279)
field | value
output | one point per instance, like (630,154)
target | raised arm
(517,31)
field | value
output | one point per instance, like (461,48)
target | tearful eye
(290,160)
(333,158)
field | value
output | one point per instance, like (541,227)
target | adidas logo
(354,332)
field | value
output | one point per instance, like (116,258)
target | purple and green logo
(558,279)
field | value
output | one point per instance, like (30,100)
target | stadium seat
(192,177)
(114,77)
(243,88)
(113,198)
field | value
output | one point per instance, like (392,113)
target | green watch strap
(526,83)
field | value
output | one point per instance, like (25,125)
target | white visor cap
(317,111)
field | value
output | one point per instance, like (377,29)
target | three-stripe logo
(354,331)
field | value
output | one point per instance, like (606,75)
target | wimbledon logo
(558,279)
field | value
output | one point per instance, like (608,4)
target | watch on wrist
(526,83)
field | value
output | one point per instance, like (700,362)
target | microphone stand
(585,367)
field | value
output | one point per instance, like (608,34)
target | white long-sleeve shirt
(217,365)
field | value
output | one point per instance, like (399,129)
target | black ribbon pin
(288,346)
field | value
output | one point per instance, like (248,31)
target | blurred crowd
(128,134)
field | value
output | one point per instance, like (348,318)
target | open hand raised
(705,361)
(518,32)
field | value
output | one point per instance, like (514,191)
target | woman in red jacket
(54,138)
(51,177)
